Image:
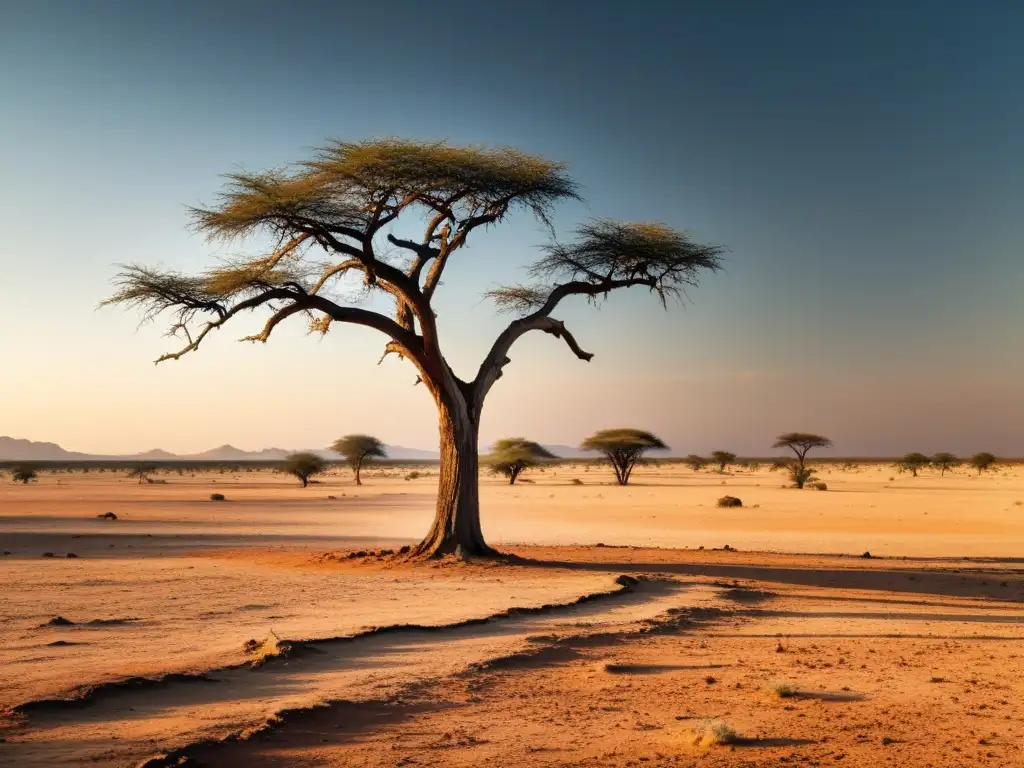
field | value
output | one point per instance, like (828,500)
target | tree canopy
(510,456)
(357,449)
(983,461)
(333,224)
(945,461)
(623,448)
(801,442)
(723,459)
(912,462)
(23,473)
(304,465)
(695,462)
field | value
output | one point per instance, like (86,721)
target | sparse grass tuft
(576,481)
(782,688)
(413,475)
(709,733)
(217,497)
(819,486)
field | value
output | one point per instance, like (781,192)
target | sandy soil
(894,660)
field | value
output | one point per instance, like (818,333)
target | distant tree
(622,448)
(357,449)
(983,461)
(912,462)
(304,466)
(695,462)
(800,443)
(722,459)
(395,214)
(780,462)
(945,461)
(142,472)
(512,455)
(23,473)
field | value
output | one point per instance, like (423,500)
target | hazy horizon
(860,164)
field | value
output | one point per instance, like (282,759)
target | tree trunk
(359,465)
(305,481)
(456,528)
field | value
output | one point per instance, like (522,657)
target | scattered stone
(71,555)
(7,551)
(59,621)
(729,501)
(48,554)
(386,552)
(405,550)
(866,555)
(107,516)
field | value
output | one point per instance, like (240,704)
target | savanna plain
(878,622)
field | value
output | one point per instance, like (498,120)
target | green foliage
(23,473)
(912,462)
(658,257)
(983,461)
(800,475)
(357,449)
(695,462)
(510,456)
(722,459)
(945,461)
(622,447)
(304,466)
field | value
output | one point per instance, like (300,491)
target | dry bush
(217,497)
(782,689)
(577,481)
(729,501)
(708,733)
(819,486)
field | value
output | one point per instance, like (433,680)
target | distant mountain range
(13,449)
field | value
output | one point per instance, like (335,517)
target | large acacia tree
(336,216)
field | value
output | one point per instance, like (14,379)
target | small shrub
(729,501)
(413,475)
(711,732)
(577,481)
(819,486)
(782,689)
(217,497)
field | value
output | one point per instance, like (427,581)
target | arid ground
(631,623)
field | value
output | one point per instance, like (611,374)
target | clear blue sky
(861,162)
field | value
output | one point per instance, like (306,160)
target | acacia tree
(23,473)
(357,449)
(346,214)
(945,461)
(511,455)
(142,472)
(800,443)
(695,462)
(983,461)
(723,459)
(304,465)
(623,448)
(913,462)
